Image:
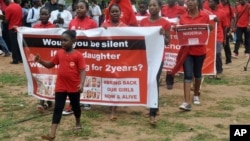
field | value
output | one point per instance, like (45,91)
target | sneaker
(196,100)
(234,55)
(185,106)
(67,112)
(1,52)
(86,107)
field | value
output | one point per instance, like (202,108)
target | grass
(20,119)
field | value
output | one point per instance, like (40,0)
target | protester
(70,80)
(229,12)
(221,33)
(96,12)
(81,22)
(242,27)
(155,20)
(61,17)
(114,21)
(13,15)
(143,7)
(172,9)
(25,9)
(2,42)
(44,23)
(192,57)
(127,13)
(33,14)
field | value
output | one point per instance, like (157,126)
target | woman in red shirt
(195,55)
(114,21)
(155,20)
(82,21)
(127,13)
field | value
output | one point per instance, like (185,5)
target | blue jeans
(193,67)
(4,46)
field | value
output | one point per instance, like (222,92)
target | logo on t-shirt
(71,64)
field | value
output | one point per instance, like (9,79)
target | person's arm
(67,19)
(99,13)
(31,19)
(82,76)
(47,64)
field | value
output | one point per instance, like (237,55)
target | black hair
(71,34)
(200,4)
(114,5)
(85,3)
(143,2)
(94,1)
(217,1)
(159,2)
(44,8)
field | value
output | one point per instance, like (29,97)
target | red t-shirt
(40,25)
(160,22)
(109,24)
(82,24)
(206,5)
(202,18)
(223,23)
(242,12)
(229,15)
(13,15)
(68,75)
(127,13)
(172,12)
(139,14)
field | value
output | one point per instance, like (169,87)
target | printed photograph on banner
(45,84)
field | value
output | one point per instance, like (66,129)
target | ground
(223,102)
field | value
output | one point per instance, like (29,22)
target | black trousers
(227,48)
(239,32)
(153,111)
(16,55)
(60,99)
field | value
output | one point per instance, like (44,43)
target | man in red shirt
(172,10)
(242,27)
(221,33)
(13,15)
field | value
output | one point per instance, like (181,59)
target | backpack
(25,18)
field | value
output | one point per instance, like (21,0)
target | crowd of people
(84,15)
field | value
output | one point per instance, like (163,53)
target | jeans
(153,111)
(239,32)
(219,68)
(16,55)
(193,67)
(227,48)
(4,46)
(60,99)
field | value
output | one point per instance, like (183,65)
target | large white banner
(121,63)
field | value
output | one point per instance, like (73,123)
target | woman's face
(44,15)
(67,42)
(192,4)
(153,7)
(115,13)
(81,9)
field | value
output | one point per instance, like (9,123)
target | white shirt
(96,12)
(65,15)
(35,12)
